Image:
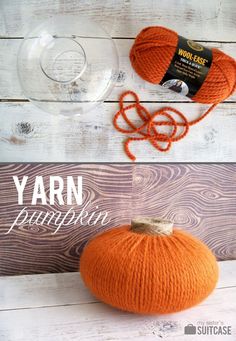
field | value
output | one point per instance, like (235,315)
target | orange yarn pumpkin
(148,273)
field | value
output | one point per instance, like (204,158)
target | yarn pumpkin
(148,267)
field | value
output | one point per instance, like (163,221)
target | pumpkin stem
(152,226)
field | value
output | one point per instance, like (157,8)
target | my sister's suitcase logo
(190,329)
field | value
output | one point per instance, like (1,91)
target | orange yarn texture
(148,128)
(148,274)
(150,56)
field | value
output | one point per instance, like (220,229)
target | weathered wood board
(213,20)
(59,307)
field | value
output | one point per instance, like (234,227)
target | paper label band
(188,68)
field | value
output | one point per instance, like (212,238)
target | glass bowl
(67,65)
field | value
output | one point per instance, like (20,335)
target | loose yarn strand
(150,124)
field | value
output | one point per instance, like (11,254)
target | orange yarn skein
(148,268)
(150,56)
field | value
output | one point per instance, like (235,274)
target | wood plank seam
(81,304)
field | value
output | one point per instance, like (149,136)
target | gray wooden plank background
(23,136)
(198,198)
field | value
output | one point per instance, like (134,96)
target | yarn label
(188,68)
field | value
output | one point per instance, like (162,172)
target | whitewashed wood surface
(29,134)
(58,307)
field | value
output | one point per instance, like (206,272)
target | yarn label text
(188,68)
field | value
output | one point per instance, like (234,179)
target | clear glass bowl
(67,65)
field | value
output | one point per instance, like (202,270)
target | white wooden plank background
(29,134)
(59,307)
(128,79)
(211,20)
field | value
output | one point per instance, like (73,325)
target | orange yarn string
(148,128)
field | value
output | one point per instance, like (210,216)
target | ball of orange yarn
(153,50)
(148,268)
